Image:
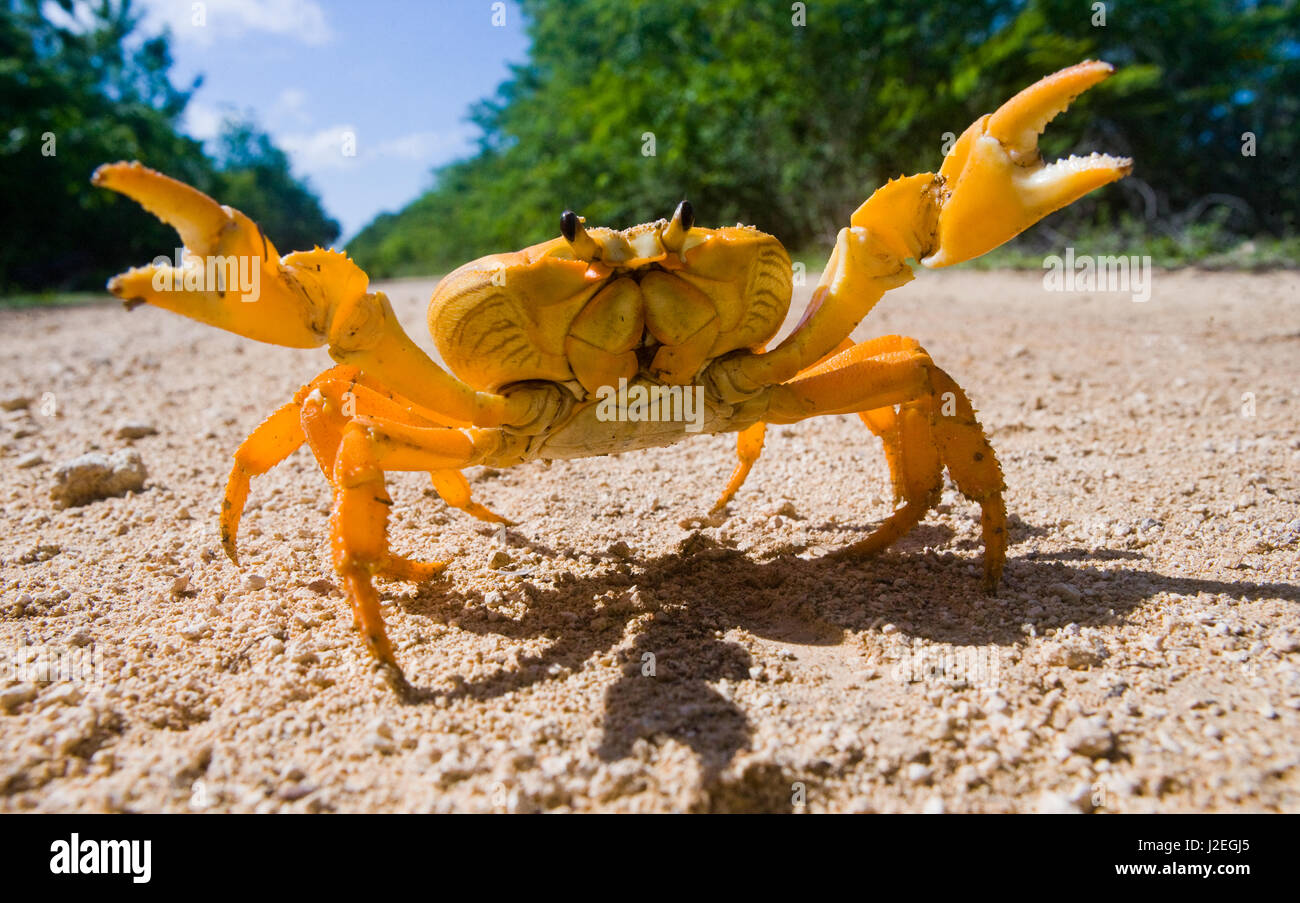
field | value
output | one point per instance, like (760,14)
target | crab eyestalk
(575,233)
(674,234)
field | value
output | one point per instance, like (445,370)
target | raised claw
(995,182)
(302,300)
(203,225)
(231,276)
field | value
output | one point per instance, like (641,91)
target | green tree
(255,176)
(74,98)
(790,127)
(80,92)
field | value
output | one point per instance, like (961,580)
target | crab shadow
(671,660)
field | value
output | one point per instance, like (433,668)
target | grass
(23,300)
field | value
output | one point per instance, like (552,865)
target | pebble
(302,653)
(1068,592)
(12,697)
(31,459)
(97,476)
(918,773)
(180,584)
(254,581)
(195,629)
(500,560)
(294,791)
(1089,737)
(134,429)
(378,742)
(1075,654)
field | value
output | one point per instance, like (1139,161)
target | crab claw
(230,275)
(995,181)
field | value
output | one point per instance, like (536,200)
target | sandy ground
(1143,654)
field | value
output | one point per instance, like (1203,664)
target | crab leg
(884,422)
(318,414)
(749,445)
(934,427)
(275,439)
(359,525)
(233,277)
(992,187)
(453,488)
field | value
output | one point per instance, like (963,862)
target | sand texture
(1143,653)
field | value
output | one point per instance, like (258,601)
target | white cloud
(289,107)
(328,149)
(321,150)
(427,146)
(202,121)
(207,21)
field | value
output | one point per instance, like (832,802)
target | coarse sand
(1143,653)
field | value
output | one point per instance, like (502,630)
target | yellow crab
(668,311)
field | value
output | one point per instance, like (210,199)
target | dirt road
(1143,654)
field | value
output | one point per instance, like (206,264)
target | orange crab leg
(318,414)
(935,426)
(881,421)
(453,488)
(359,524)
(749,445)
(275,439)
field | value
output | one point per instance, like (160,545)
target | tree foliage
(77,93)
(789,127)
(254,174)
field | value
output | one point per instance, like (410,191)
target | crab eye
(686,215)
(674,234)
(583,245)
(569,225)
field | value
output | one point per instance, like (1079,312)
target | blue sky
(399,75)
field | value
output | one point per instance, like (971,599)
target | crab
(538,338)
